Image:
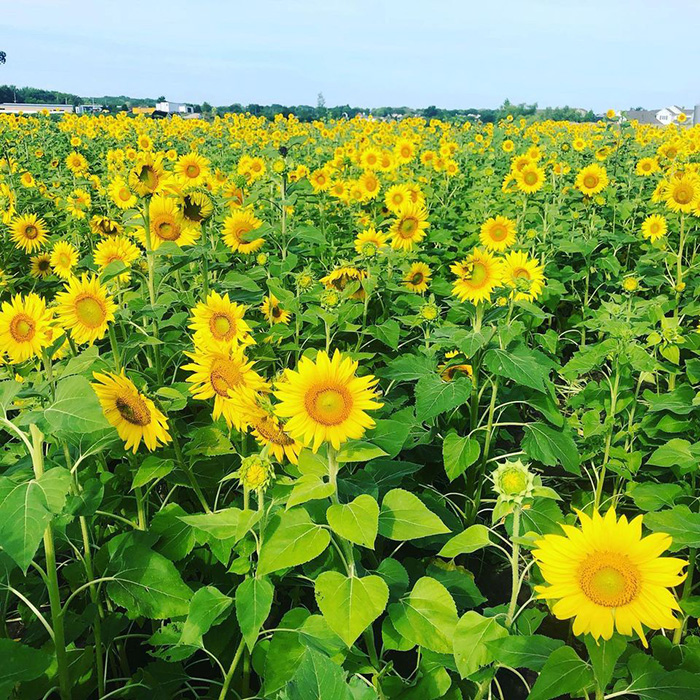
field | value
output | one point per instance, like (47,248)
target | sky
(368,53)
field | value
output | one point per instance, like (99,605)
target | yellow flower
(104,226)
(478,275)
(369,242)
(498,233)
(166,223)
(409,227)
(116,249)
(25,327)
(524,274)
(396,197)
(76,162)
(273,312)
(591,180)
(682,193)
(608,577)
(192,169)
(646,167)
(85,309)
(78,202)
(133,415)
(28,232)
(530,178)
(148,174)
(239,232)
(196,207)
(64,257)
(41,266)
(630,284)
(219,321)
(417,278)
(341,277)
(324,401)
(121,194)
(654,227)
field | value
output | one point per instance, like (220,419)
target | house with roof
(660,117)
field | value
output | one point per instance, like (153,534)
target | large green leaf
(253,605)
(350,604)
(471,638)
(20,663)
(523,651)
(680,522)
(405,517)
(291,538)
(207,608)
(435,396)
(473,538)
(427,616)
(76,408)
(228,524)
(357,521)
(650,681)
(564,672)
(551,446)
(458,453)
(522,366)
(318,678)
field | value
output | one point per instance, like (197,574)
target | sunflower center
(90,311)
(683,194)
(276,311)
(43,264)
(609,579)
(479,274)
(499,232)
(590,181)
(225,376)
(417,278)
(330,405)
(133,409)
(148,176)
(124,194)
(31,232)
(167,230)
(408,227)
(192,170)
(221,327)
(654,227)
(22,328)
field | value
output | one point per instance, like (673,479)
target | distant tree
(206,107)
(3,57)
(430,112)
(160,99)
(320,101)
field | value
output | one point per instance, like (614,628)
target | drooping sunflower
(607,576)
(369,242)
(341,277)
(269,431)
(104,226)
(417,278)
(530,178)
(193,169)
(524,274)
(654,227)
(116,249)
(196,207)
(148,174)
(409,227)
(134,415)
(29,232)
(219,321)
(477,276)
(121,194)
(682,193)
(166,223)
(239,232)
(591,180)
(64,257)
(41,266)
(273,312)
(85,309)
(25,327)
(498,233)
(227,376)
(324,401)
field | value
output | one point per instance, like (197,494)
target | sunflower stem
(515,569)
(608,441)
(150,259)
(687,591)
(115,348)
(232,670)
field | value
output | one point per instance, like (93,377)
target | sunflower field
(348,410)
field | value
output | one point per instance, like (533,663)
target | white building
(668,115)
(174,107)
(662,117)
(89,109)
(27,108)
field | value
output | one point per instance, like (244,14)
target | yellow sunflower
(116,249)
(591,180)
(41,266)
(122,194)
(325,402)
(647,166)
(498,233)
(219,321)
(25,327)
(166,223)
(133,415)
(530,178)
(396,197)
(64,257)
(608,577)
(28,232)
(477,276)
(192,169)
(85,309)
(148,174)
(196,207)
(369,242)
(104,226)
(229,378)
(654,227)
(525,275)
(369,184)
(417,278)
(78,202)
(682,193)
(342,277)
(409,227)
(239,232)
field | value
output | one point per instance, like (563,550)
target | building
(26,108)
(174,107)
(143,110)
(661,117)
(90,109)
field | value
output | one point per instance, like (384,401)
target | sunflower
(654,227)
(64,257)
(116,249)
(369,242)
(78,202)
(192,169)
(525,275)
(166,223)
(229,378)
(498,233)
(148,174)
(369,184)
(409,227)
(646,167)
(122,194)
(133,415)
(28,232)
(273,312)
(219,321)
(417,278)
(41,266)
(76,162)
(325,402)
(478,275)
(341,277)
(269,431)
(682,193)
(196,207)
(591,180)
(25,327)
(320,180)
(530,178)
(85,309)
(239,232)
(607,576)
(104,226)
(370,159)
(396,197)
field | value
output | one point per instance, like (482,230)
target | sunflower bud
(255,472)
(513,481)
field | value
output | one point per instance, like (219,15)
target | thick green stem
(150,259)
(608,441)
(115,348)
(232,670)
(515,569)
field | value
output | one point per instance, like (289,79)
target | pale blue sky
(588,53)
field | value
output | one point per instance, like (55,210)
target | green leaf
(76,408)
(253,605)
(551,447)
(604,655)
(150,469)
(176,539)
(350,604)
(357,451)
(409,368)
(564,672)
(318,678)
(55,483)
(207,608)
(405,517)
(458,453)
(652,496)
(146,583)
(651,682)
(472,635)
(8,390)
(435,396)
(526,651)
(427,616)
(522,366)
(309,487)
(388,332)
(682,524)
(228,524)
(675,453)
(292,538)
(473,538)
(358,521)
(20,663)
